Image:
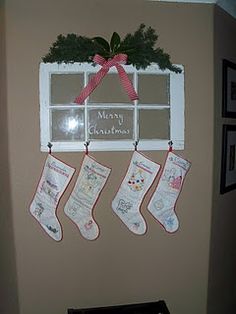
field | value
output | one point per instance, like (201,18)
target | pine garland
(139,47)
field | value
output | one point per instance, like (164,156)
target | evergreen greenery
(139,47)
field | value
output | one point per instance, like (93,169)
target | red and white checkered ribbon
(116,61)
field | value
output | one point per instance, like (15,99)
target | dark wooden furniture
(158,307)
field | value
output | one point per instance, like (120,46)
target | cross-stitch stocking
(89,185)
(126,204)
(55,178)
(162,203)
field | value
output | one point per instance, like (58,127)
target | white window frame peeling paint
(176,107)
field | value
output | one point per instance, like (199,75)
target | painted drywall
(119,267)
(222,288)
(8,282)
(227,5)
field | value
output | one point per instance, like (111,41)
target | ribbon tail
(128,86)
(92,84)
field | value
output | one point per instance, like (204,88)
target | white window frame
(176,109)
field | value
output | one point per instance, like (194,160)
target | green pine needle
(139,47)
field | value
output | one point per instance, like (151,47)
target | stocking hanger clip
(86,144)
(136,145)
(50,147)
(170,143)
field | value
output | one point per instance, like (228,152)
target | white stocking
(89,185)
(55,178)
(162,203)
(126,204)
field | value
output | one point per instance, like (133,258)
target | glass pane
(65,88)
(67,125)
(153,89)
(110,90)
(154,124)
(111,124)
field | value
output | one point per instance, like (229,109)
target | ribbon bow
(116,61)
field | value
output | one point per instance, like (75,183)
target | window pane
(67,125)
(153,89)
(111,124)
(65,88)
(154,124)
(110,90)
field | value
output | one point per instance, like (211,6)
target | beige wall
(8,284)
(119,267)
(222,288)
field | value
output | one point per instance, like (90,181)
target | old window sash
(51,109)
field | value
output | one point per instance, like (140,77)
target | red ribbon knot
(116,61)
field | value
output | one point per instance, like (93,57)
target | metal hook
(136,145)
(50,147)
(86,144)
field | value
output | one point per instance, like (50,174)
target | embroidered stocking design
(89,185)
(126,204)
(55,177)
(162,203)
